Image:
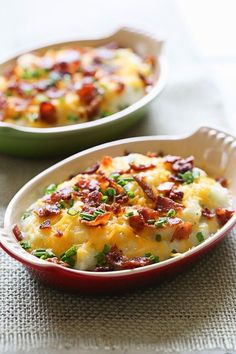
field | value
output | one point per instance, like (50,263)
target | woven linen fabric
(194,311)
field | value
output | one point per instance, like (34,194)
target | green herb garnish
(51,188)
(110,192)
(151,221)
(105,114)
(101,256)
(72,212)
(129,214)
(87,216)
(151,257)
(41,98)
(62,204)
(171,213)
(161,222)
(31,74)
(25,244)
(200,236)
(158,237)
(189,176)
(68,256)
(26,214)
(130,194)
(43,253)
(72,118)
(104,199)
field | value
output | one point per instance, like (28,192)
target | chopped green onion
(32,117)
(43,253)
(171,213)
(110,192)
(174,251)
(152,258)
(104,199)
(51,188)
(98,212)
(189,176)
(200,236)
(62,204)
(151,221)
(100,257)
(71,202)
(76,188)
(41,98)
(26,214)
(130,194)
(122,181)
(130,213)
(31,74)
(105,114)
(114,176)
(72,117)
(72,212)
(161,222)
(68,255)
(25,245)
(158,237)
(87,217)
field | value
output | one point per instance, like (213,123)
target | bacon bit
(165,187)
(120,87)
(183,165)
(46,224)
(121,199)
(94,107)
(103,181)
(115,208)
(64,194)
(224,214)
(145,187)
(182,231)
(87,93)
(67,67)
(47,112)
(223,181)
(152,154)
(175,178)
(126,153)
(171,158)
(99,221)
(85,183)
(208,213)
(17,233)
(48,210)
(176,195)
(115,260)
(148,213)
(141,167)
(92,169)
(106,161)
(164,204)
(55,260)
(93,198)
(137,222)
(117,187)
(59,233)
(55,93)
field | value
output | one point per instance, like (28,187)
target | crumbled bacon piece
(106,161)
(183,165)
(93,198)
(46,224)
(99,221)
(223,181)
(224,214)
(208,213)
(171,159)
(85,183)
(165,187)
(62,194)
(148,213)
(87,93)
(141,167)
(115,208)
(145,187)
(55,260)
(17,233)
(164,204)
(93,108)
(176,178)
(59,233)
(137,222)
(48,210)
(152,154)
(47,112)
(92,169)
(176,195)
(182,231)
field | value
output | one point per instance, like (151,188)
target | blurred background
(200,49)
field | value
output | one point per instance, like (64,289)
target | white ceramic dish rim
(154,92)
(43,264)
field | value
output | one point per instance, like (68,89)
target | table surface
(202,64)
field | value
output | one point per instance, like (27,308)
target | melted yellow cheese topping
(78,84)
(202,192)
